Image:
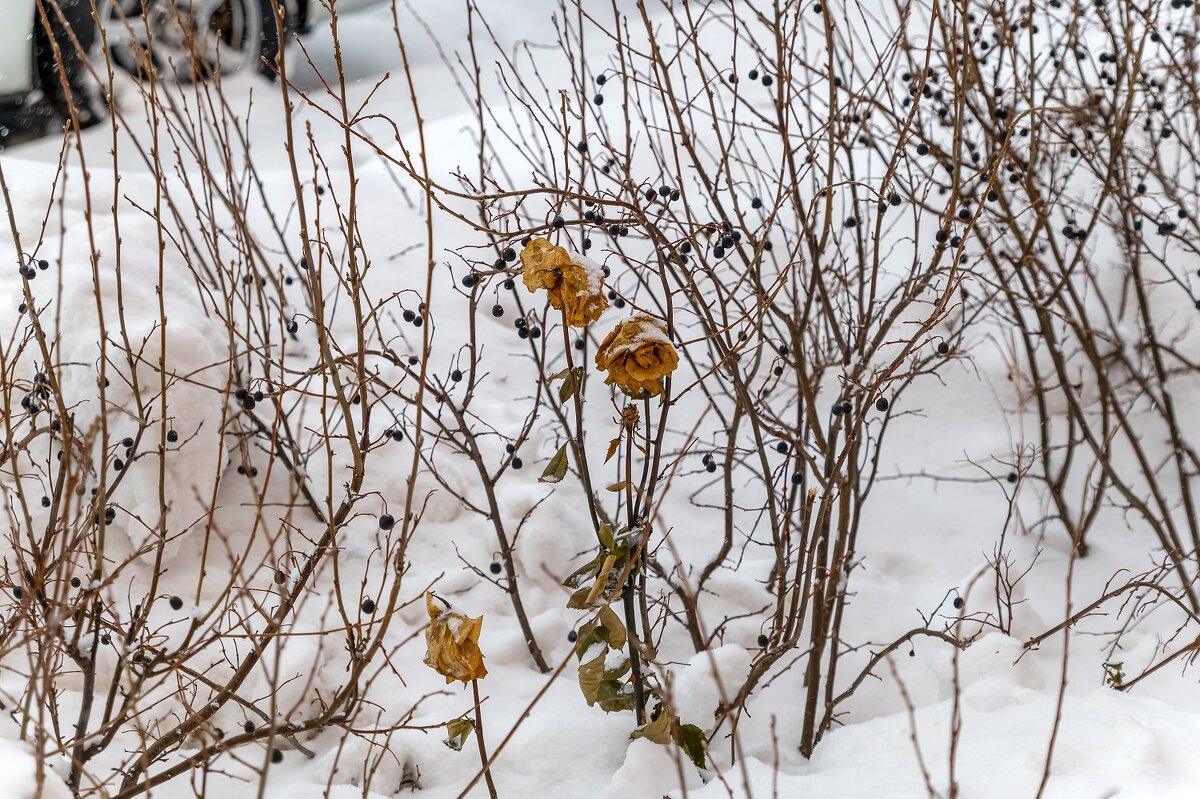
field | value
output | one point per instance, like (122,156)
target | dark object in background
(61,71)
(60,31)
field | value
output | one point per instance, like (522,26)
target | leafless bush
(820,218)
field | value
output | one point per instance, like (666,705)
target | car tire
(243,31)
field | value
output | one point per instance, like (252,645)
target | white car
(190,38)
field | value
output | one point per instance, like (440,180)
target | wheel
(190,39)
(61,55)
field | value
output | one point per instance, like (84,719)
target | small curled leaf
(556,470)
(660,730)
(605,535)
(457,733)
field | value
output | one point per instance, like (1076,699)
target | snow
(21,777)
(923,543)
(1110,744)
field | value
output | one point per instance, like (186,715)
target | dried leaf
(617,675)
(665,728)
(568,388)
(613,697)
(601,580)
(556,470)
(693,742)
(588,570)
(660,730)
(615,487)
(615,632)
(572,381)
(605,535)
(457,733)
(591,677)
(612,448)
(579,599)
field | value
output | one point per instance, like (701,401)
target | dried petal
(637,355)
(574,284)
(453,643)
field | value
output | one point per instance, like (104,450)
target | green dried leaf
(591,679)
(556,470)
(579,599)
(692,741)
(616,675)
(457,732)
(613,697)
(606,538)
(586,572)
(661,730)
(569,387)
(610,622)
(601,584)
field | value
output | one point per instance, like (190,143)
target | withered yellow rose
(637,355)
(574,285)
(453,643)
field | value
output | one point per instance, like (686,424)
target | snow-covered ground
(933,523)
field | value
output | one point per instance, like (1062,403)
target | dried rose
(574,284)
(453,643)
(637,355)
